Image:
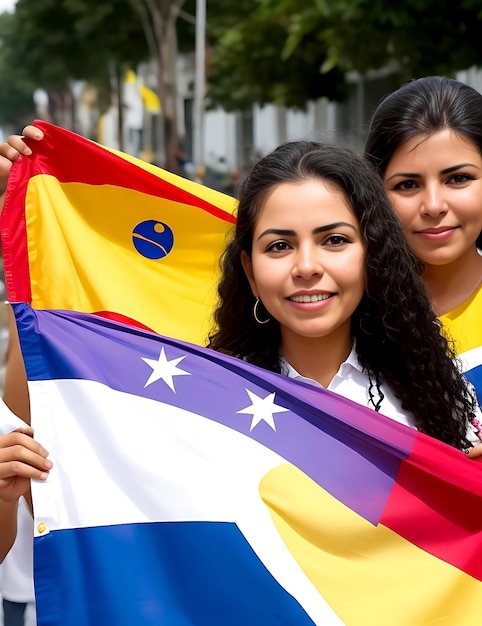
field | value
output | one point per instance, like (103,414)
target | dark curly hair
(422,107)
(398,338)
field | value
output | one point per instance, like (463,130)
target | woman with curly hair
(318,283)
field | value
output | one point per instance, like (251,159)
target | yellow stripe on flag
(339,550)
(99,268)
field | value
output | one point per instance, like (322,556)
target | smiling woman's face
(308,260)
(434,183)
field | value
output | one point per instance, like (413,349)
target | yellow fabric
(150,99)
(85,260)
(464,323)
(331,543)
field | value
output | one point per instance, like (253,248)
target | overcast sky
(7,5)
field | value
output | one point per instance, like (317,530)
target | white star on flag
(262,409)
(165,370)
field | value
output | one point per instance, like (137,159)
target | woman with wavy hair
(318,284)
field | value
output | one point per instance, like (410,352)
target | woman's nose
(434,203)
(308,262)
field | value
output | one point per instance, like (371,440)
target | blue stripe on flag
(158,574)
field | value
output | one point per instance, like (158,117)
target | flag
(190,487)
(150,99)
(92,229)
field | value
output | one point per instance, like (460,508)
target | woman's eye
(336,240)
(460,179)
(405,185)
(278,246)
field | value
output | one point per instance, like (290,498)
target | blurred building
(233,140)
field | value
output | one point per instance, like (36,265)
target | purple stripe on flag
(349,450)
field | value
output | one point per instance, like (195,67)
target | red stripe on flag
(76,159)
(123,319)
(437,508)
(14,237)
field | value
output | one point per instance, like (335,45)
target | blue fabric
(129,584)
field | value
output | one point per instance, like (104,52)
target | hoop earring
(255,313)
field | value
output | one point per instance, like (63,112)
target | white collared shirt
(353,383)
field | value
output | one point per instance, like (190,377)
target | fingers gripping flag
(193,488)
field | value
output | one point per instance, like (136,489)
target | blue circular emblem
(152,239)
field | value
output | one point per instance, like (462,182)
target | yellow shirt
(464,326)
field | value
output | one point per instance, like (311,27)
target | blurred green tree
(259,51)
(57,41)
(415,37)
(16,85)
(250,59)
(289,52)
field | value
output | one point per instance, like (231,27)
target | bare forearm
(15,390)
(8,525)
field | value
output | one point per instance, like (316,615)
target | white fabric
(8,420)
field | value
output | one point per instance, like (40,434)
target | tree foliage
(58,41)
(249,60)
(260,51)
(418,37)
(16,85)
(289,52)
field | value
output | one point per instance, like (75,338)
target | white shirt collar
(352,382)
(343,372)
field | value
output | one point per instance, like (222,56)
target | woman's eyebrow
(454,168)
(277,231)
(280,232)
(447,170)
(404,175)
(322,229)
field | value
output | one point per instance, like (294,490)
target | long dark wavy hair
(398,338)
(422,107)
